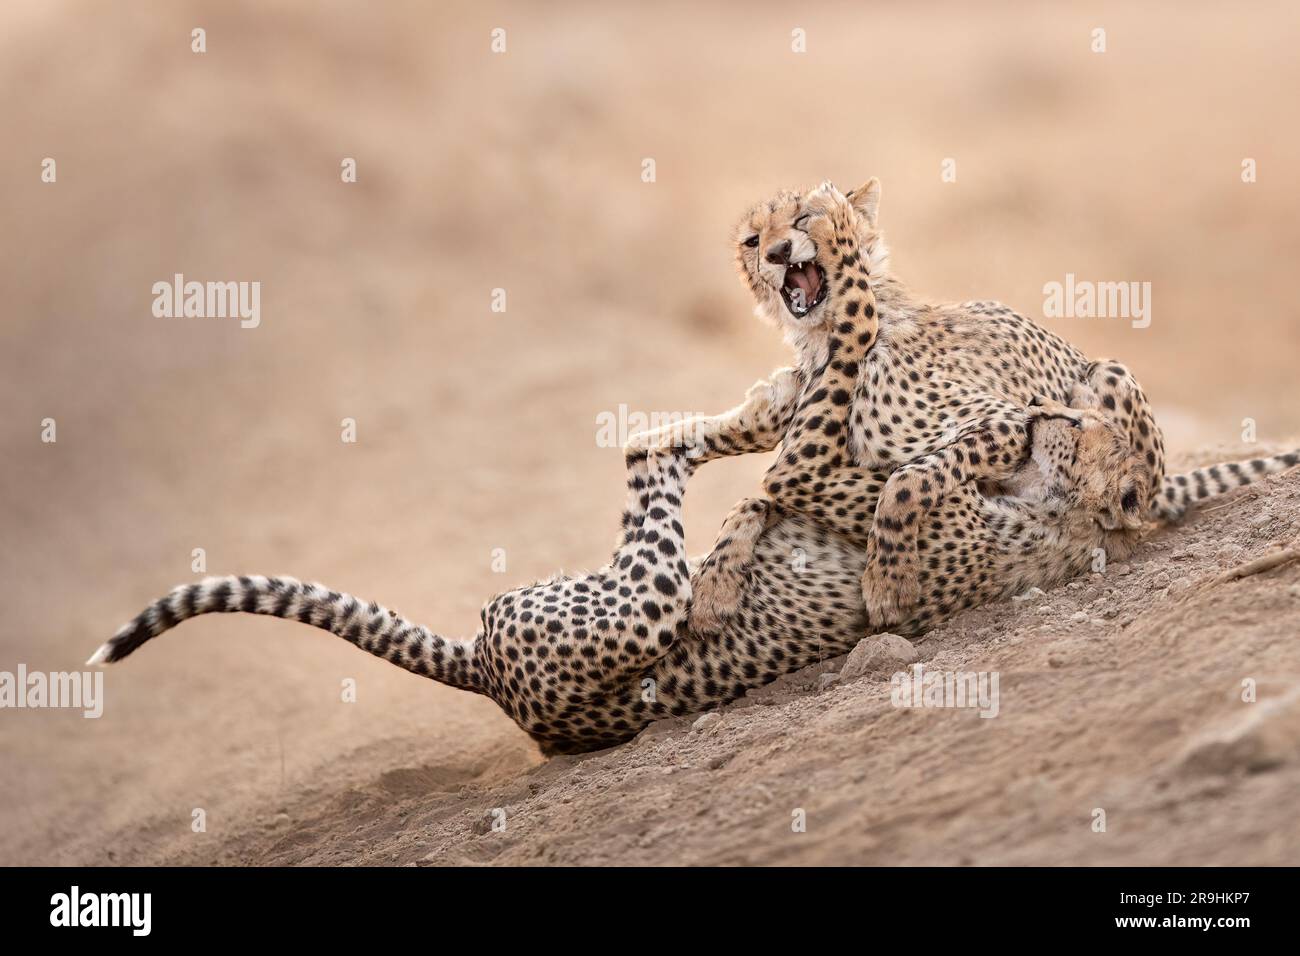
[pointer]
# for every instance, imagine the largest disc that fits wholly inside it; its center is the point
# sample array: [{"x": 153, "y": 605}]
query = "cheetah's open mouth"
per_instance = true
[{"x": 804, "y": 287}]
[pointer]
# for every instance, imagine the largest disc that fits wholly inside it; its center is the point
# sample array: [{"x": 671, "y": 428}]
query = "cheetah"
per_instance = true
[
  {"x": 938, "y": 400},
  {"x": 582, "y": 662}
]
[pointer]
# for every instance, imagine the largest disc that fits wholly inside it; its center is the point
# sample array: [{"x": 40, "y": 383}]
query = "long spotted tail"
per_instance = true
[
  {"x": 369, "y": 626},
  {"x": 1179, "y": 492}
]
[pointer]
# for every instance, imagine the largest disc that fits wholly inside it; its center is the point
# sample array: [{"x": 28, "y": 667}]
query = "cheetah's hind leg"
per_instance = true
[
  {"x": 647, "y": 586},
  {"x": 989, "y": 448}
]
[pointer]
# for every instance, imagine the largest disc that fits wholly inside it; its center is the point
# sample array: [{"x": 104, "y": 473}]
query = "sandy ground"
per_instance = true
[{"x": 477, "y": 431}]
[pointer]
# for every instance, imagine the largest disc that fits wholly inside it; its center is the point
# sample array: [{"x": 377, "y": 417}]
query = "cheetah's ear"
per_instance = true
[{"x": 866, "y": 200}]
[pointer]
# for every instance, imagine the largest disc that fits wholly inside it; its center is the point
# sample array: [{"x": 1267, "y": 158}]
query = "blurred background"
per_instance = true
[{"x": 477, "y": 430}]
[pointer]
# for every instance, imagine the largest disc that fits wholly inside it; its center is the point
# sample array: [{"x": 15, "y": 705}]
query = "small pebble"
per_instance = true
[
  {"x": 705, "y": 721},
  {"x": 1229, "y": 553}
]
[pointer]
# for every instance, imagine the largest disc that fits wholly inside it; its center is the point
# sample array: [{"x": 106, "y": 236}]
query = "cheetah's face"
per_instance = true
[
  {"x": 1080, "y": 456},
  {"x": 777, "y": 258},
  {"x": 782, "y": 262},
  {"x": 1113, "y": 483}
]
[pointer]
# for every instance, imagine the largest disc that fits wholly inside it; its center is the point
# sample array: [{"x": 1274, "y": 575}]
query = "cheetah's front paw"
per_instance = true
[
  {"x": 660, "y": 439},
  {"x": 1050, "y": 408},
  {"x": 890, "y": 593},
  {"x": 646, "y": 441}
]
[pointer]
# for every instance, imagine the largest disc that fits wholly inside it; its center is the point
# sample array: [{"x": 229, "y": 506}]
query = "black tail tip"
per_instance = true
[{"x": 121, "y": 644}]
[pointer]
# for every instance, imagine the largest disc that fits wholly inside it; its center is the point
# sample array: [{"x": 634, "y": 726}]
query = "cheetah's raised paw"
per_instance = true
[{"x": 653, "y": 440}]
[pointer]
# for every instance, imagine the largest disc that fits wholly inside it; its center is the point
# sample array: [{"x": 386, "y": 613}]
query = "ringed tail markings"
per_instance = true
[
  {"x": 1179, "y": 492},
  {"x": 369, "y": 626}
]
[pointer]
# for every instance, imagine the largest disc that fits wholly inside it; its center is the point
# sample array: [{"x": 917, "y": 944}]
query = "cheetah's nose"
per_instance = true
[{"x": 779, "y": 254}]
